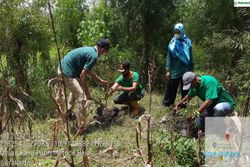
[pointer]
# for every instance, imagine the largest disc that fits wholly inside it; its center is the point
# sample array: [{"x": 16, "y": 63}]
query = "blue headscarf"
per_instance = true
[{"x": 180, "y": 48}]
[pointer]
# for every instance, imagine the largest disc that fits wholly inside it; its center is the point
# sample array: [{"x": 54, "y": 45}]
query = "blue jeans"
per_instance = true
[{"x": 219, "y": 110}]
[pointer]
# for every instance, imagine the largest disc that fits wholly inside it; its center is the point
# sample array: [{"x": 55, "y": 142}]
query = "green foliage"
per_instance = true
[
  {"x": 68, "y": 14},
  {"x": 93, "y": 27},
  {"x": 145, "y": 35},
  {"x": 24, "y": 33},
  {"x": 184, "y": 153},
  {"x": 90, "y": 31},
  {"x": 45, "y": 108},
  {"x": 25, "y": 41},
  {"x": 108, "y": 64},
  {"x": 144, "y": 27},
  {"x": 220, "y": 19}
]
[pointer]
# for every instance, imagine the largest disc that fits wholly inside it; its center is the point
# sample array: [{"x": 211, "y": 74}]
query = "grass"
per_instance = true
[{"x": 121, "y": 134}]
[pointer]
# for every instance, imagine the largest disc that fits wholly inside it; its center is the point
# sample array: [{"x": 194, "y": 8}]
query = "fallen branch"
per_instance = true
[{"x": 20, "y": 107}]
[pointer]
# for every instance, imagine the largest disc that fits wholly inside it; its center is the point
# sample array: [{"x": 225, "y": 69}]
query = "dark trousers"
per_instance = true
[
  {"x": 214, "y": 110},
  {"x": 200, "y": 120},
  {"x": 171, "y": 91},
  {"x": 127, "y": 96}
]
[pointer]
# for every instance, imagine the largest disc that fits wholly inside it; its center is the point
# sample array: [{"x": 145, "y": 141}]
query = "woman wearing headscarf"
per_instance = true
[{"x": 179, "y": 61}]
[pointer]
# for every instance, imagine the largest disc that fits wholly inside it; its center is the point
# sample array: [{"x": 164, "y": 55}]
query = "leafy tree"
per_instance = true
[
  {"x": 143, "y": 26},
  {"x": 93, "y": 27},
  {"x": 68, "y": 14},
  {"x": 24, "y": 33}
]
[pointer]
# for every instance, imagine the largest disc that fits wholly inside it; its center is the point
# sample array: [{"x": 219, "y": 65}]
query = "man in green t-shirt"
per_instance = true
[
  {"x": 217, "y": 101},
  {"x": 131, "y": 90},
  {"x": 75, "y": 67}
]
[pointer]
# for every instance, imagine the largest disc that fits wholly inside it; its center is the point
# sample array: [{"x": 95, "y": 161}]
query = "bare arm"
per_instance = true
[
  {"x": 128, "y": 89},
  {"x": 167, "y": 75},
  {"x": 205, "y": 105},
  {"x": 83, "y": 78},
  {"x": 186, "y": 98},
  {"x": 168, "y": 65},
  {"x": 114, "y": 87},
  {"x": 96, "y": 77}
]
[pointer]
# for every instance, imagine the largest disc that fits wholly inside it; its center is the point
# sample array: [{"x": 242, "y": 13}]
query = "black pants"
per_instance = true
[
  {"x": 211, "y": 111},
  {"x": 171, "y": 91},
  {"x": 126, "y": 96}
]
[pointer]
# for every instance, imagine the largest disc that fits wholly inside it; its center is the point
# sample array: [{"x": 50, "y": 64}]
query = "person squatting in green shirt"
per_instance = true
[
  {"x": 77, "y": 64},
  {"x": 179, "y": 61},
  {"x": 130, "y": 89},
  {"x": 217, "y": 102}
]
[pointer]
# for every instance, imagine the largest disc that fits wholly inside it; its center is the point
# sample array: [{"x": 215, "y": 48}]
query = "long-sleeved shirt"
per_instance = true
[{"x": 176, "y": 67}]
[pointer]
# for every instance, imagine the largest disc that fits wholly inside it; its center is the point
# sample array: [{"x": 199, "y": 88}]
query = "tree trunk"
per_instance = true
[{"x": 147, "y": 41}]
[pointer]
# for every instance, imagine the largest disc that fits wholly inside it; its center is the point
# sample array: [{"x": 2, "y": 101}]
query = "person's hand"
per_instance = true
[
  {"x": 119, "y": 88},
  {"x": 175, "y": 109},
  {"x": 168, "y": 75},
  {"x": 104, "y": 82},
  {"x": 196, "y": 114}
]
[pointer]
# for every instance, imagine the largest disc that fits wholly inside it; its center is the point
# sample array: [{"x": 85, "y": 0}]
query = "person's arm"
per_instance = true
[
  {"x": 168, "y": 65},
  {"x": 168, "y": 61},
  {"x": 128, "y": 89},
  {"x": 83, "y": 78},
  {"x": 186, "y": 98},
  {"x": 204, "y": 105},
  {"x": 114, "y": 87},
  {"x": 211, "y": 94},
  {"x": 97, "y": 78},
  {"x": 89, "y": 65}
]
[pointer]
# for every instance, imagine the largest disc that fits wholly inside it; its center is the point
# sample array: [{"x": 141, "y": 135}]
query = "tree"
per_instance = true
[
  {"x": 143, "y": 26},
  {"x": 24, "y": 33},
  {"x": 94, "y": 26},
  {"x": 68, "y": 15}
]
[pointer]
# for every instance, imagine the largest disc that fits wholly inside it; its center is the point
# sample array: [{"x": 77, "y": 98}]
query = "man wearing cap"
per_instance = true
[
  {"x": 131, "y": 90},
  {"x": 217, "y": 101},
  {"x": 77, "y": 64},
  {"x": 179, "y": 61}
]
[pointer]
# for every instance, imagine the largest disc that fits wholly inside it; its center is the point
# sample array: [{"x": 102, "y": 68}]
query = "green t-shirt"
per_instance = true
[
  {"x": 77, "y": 60},
  {"x": 211, "y": 89},
  {"x": 129, "y": 82}
]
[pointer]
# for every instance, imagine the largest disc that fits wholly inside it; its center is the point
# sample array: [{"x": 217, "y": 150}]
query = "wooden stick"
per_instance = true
[
  {"x": 199, "y": 148},
  {"x": 150, "y": 155},
  {"x": 171, "y": 142},
  {"x": 85, "y": 159}
]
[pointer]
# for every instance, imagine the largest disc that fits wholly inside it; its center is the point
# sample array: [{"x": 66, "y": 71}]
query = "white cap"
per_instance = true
[{"x": 187, "y": 78}]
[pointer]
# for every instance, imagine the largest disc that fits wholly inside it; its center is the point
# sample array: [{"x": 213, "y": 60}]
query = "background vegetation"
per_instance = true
[{"x": 139, "y": 31}]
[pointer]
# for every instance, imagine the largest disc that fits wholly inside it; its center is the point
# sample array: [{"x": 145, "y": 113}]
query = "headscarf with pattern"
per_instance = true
[{"x": 180, "y": 48}]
